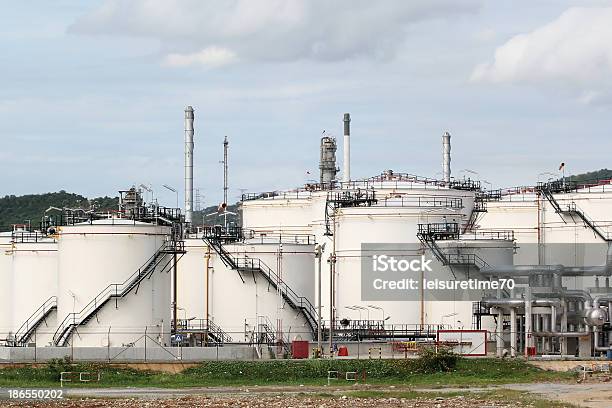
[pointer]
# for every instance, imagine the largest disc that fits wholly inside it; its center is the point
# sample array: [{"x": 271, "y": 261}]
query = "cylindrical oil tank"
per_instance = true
[
  {"x": 242, "y": 308},
  {"x": 101, "y": 258},
  {"x": 6, "y": 287},
  {"x": 390, "y": 224},
  {"x": 34, "y": 283},
  {"x": 191, "y": 278}
]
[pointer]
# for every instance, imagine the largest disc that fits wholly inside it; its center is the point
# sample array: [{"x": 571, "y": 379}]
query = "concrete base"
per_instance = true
[
  {"x": 129, "y": 354},
  {"x": 584, "y": 347}
]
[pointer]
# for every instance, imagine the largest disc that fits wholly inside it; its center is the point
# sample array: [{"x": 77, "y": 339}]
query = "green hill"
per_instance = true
[
  {"x": 31, "y": 208},
  {"x": 591, "y": 176}
]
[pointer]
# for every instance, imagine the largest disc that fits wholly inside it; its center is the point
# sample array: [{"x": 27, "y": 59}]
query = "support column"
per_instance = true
[
  {"x": 500, "y": 332},
  {"x": 513, "y": 332}
]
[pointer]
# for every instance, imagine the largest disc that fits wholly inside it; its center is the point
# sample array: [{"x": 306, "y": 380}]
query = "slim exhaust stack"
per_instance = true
[
  {"x": 346, "y": 172},
  {"x": 446, "y": 157},
  {"x": 188, "y": 164}
]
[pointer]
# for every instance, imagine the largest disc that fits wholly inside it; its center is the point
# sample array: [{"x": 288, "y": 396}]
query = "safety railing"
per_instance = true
[
  {"x": 116, "y": 290},
  {"x": 207, "y": 326},
  {"x": 505, "y": 235},
  {"x": 294, "y": 300},
  {"x": 24, "y": 332},
  {"x": 439, "y": 230},
  {"x": 420, "y": 202}
]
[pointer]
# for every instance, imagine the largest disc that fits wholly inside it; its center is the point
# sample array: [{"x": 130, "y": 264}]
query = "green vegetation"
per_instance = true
[
  {"x": 591, "y": 177},
  {"x": 411, "y": 372},
  {"x": 211, "y": 216},
  {"x": 20, "y": 210}
]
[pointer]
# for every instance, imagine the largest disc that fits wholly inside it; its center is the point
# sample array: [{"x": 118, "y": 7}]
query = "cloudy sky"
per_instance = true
[{"x": 92, "y": 92}]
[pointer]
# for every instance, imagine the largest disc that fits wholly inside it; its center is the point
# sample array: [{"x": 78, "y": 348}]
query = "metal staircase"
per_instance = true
[
  {"x": 246, "y": 264},
  {"x": 116, "y": 291},
  {"x": 23, "y": 334},
  {"x": 428, "y": 234},
  {"x": 213, "y": 333},
  {"x": 216, "y": 334},
  {"x": 571, "y": 210},
  {"x": 348, "y": 198},
  {"x": 480, "y": 206}
]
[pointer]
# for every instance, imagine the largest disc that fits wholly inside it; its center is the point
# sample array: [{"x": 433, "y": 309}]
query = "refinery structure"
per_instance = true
[{"x": 143, "y": 275}]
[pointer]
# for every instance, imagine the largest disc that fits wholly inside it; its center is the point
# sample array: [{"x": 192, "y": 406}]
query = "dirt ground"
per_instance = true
[{"x": 269, "y": 402}]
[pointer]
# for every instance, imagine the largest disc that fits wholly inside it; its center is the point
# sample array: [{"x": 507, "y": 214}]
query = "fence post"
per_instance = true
[{"x": 145, "y": 343}]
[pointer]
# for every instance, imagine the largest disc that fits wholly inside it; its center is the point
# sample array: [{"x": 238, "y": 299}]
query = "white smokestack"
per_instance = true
[
  {"x": 189, "y": 164},
  {"x": 346, "y": 172},
  {"x": 446, "y": 157}
]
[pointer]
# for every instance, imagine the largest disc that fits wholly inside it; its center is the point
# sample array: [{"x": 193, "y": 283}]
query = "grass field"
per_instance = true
[{"x": 463, "y": 373}]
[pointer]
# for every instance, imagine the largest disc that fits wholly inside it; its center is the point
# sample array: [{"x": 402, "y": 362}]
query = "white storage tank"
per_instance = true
[
  {"x": 240, "y": 308},
  {"x": 102, "y": 258},
  {"x": 6, "y": 286},
  {"x": 191, "y": 277},
  {"x": 392, "y": 220},
  {"x": 34, "y": 286}
]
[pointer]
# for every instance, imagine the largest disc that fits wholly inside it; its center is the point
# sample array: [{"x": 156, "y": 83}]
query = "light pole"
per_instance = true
[
  {"x": 366, "y": 309},
  {"x": 381, "y": 309},
  {"x": 149, "y": 189},
  {"x": 319, "y": 255},
  {"x": 470, "y": 171},
  {"x": 547, "y": 173},
  {"x": 167, "y": 187},
  {"x": 354, "y": 308}
]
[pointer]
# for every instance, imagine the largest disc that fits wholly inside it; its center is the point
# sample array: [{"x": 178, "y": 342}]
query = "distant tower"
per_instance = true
[
  {"x": 446, "y": 157},
  {"x": 327, "y": 164},
  {"x": 189, "y": 164},
  {"x": 346, "y": 172}
]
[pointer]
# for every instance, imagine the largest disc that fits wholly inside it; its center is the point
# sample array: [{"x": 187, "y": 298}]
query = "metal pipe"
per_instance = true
[
  {"x": 560, "y": 334},
  {"x": 346, "y": 172},
  {"x": 528, "y": 324},
  {"x": 500, "y": 333},
  {"x": 189, "y": 164},
  {"x": 596, "y": 345},
  {"x": 446, "y": 157},
  {"x": 525, "y": 270}
]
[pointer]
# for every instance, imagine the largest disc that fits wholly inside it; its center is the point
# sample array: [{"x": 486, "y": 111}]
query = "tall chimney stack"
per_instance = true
[
  {"x": 446, "y": 157},
  {"x": 189, "y": 164},
  {"x": 346, "y": 172}
]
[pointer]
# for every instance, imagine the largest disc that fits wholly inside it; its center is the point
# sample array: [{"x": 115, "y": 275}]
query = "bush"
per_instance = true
[
  {"x": 56, "y": 366},
  {"x": 435, "y": 361}
]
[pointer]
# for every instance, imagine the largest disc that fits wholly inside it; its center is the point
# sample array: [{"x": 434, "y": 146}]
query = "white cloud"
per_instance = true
[
  {"x": 211, "y": 57},
  {"x": 270, "y": 30},
  {"x": 572, "y": 53}
]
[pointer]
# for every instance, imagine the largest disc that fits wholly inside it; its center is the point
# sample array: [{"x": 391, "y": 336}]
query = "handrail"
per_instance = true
[
  {"x": 105, "y": 294},
  {"x": 507, "y": 235},
  {"x": 421, "y": 202},
  {"x": 247, "y": 263},
  {"x": 36, "y": 318},
  {"x": 299, "y": 301}
]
